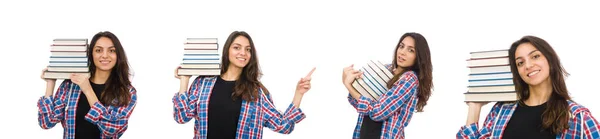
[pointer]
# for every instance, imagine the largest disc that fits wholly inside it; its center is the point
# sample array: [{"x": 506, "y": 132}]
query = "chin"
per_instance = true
[
  {"x": 240, "y": 65},
  {"x": 104, "y": 69}
]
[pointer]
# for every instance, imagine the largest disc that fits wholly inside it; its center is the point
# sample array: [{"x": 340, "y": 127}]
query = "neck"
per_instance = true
[
  {"x": 232, "y": 73},
  {"x": 398, "y": 70},
  {"x": 100, "y": 76},
  {"x": 539, "y": 94}
]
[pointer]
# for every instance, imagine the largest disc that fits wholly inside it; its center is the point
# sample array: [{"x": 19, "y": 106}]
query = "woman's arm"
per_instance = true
[
  {"x": 51, "y": 109},
  {"x": 393, "y": 100},
  {"x": 587, "y": 125},
  {"x": 184, "y": 102},
  {"x": 471, "y": 129},
  {"x": 112, "y": 120},
  {"x": 273, "y": 119}
]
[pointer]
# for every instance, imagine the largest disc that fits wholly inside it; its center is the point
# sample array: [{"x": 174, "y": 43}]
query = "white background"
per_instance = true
[{"x": 290, "y": 38}]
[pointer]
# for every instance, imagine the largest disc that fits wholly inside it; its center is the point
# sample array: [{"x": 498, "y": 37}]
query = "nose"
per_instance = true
[
  {"x": 528, "y": 64},
  {"x": 243, "y": 52},
  {"x": 402, "y": 52},
  {"x": 104, "y": 54}
]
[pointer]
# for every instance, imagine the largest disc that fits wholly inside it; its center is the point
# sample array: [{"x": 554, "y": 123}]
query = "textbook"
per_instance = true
[
  {"x": 200, "y": 57},
  {"x": 67, "y": 56},
  {"x": 490, "y": 77},
  {"x": 374, "y": 80}
]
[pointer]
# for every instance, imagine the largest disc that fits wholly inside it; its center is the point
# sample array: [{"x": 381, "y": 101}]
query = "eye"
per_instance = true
[
  {"x": 113, "y": 50},
  {"x": 411, "y": 50},
  {"x": 401, "y": 45},
  {"x": 536, "y": 56},
  {"x": 519, "y": 63},
  {"x": 236, "y": 47},
  {"x": 98, "y": 50}
]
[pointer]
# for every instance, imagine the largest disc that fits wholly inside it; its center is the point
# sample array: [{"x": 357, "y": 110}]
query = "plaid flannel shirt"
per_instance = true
[
  {"x": 253, "y": 115},
  {"x": 582, "y": 125},
  {"x": 395, "y": 108},
  {"x": 111, "y": 120}
]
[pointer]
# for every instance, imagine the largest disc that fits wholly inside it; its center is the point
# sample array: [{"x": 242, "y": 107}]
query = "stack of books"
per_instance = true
[
  {"x": 374, "y": 80},
  {"x": 67, "y": 56},
  {"x": 490, "y": 77},
  {"x": 200, "y": 57}
]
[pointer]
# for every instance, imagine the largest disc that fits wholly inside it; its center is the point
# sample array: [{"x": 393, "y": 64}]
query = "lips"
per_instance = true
[
  {"x": 104, "y": 61},
  {"x": 400, "y": 59},
  {"x": 239, "y": 58},
  {"x": 533, "y": 73}
]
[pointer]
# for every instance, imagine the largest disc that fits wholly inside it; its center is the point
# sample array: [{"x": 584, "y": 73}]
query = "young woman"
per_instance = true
[
  {"x": 97, "y": 106},
  {"x": 235, "y": 104},
  {"x": 409, "y": 91},
  {"x": 544, "y": 108}
]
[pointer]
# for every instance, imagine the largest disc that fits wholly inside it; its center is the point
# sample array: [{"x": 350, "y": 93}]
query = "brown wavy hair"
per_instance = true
[
  {"x": 248, "y": 83},
  {"x": 116, "y": 92},
  {"x": 422, "y": 67},
  {"x": 556, "y": 115}
]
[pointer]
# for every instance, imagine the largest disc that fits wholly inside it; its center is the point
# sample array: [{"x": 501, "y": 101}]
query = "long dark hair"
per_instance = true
[
  {"x": 248, "y": 83},
  {"x": 116, "y": 92},
  {"x": 556, "y": 115},
  {"x": 422, "y": 68}
]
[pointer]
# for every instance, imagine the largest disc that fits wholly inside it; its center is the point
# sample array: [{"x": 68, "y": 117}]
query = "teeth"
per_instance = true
[
  {"x": 241, "y": 58},
  {"x": 533, "y": 73}
]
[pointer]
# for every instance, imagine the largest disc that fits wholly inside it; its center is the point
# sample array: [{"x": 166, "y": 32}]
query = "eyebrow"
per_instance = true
[
  {"x": 103, "y": 46},
  {"x": 527, "y": 54}
]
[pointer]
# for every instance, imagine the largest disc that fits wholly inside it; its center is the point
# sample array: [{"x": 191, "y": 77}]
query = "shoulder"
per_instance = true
[
  {"x": 389, "y": 67},
  {"x": 200, "y": 79},
  {"x": 503, "y": 105},
  {"x": 132, "y": 89},
  {"x": 66, "y": 82},
  {"x": 575, "y": 108},
  {"x": 410, "y": 75}
]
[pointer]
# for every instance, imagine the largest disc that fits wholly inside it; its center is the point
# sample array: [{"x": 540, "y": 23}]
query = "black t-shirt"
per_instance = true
[
  {"x": 526, "y": 123},
  {"x": 83, "y": 128},
  {"x": 223, "y": 111},
  {"x": 370, "y": 129}
]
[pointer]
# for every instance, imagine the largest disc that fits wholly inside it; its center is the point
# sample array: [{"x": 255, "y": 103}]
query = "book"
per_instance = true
[
  {"x": 374, "y": 80},
  {"x": 67, "y": 56},
  {"x": 483, "y": 62},
  {"x": 489, "y": 53},
  {"x": 490, "y": 96},
  {"x": 200, "y": 57},
  {"x": 202, "y": 40},
  {"x": 491, "y": 69},
  {"x": 490, "y": 77}
]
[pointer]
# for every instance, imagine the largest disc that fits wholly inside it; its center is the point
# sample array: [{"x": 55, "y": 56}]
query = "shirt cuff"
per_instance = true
[
  {"x": 470, "y": 129},
  {"x": 95, "y": 112},
  {"x": 295, "y": 114},
  {"x": 364, "y": 104},
  {"x": 45, "y": 104},
  {"x": 180, "y": 100}
]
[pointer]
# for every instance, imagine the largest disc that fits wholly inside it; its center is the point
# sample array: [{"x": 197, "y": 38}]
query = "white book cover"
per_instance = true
[
  {"x": 68, "y": 54},
  {"x": 487, "y": 62},
  {"x": 503, "y": 75},
  {"x": 200, "y": 52},
  {"x": 202, "y": 40},
  {"x": 491, "y": 82},
  {"x": 492, "y": 69}
]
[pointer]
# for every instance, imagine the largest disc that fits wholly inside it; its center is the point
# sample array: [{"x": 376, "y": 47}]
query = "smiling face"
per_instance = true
[
  {"x": 239, "y": 52},
  {"x": 406, "y": 53},
  {"x": 104, "y": 54},
  {"x": 532, "y": 65}
]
